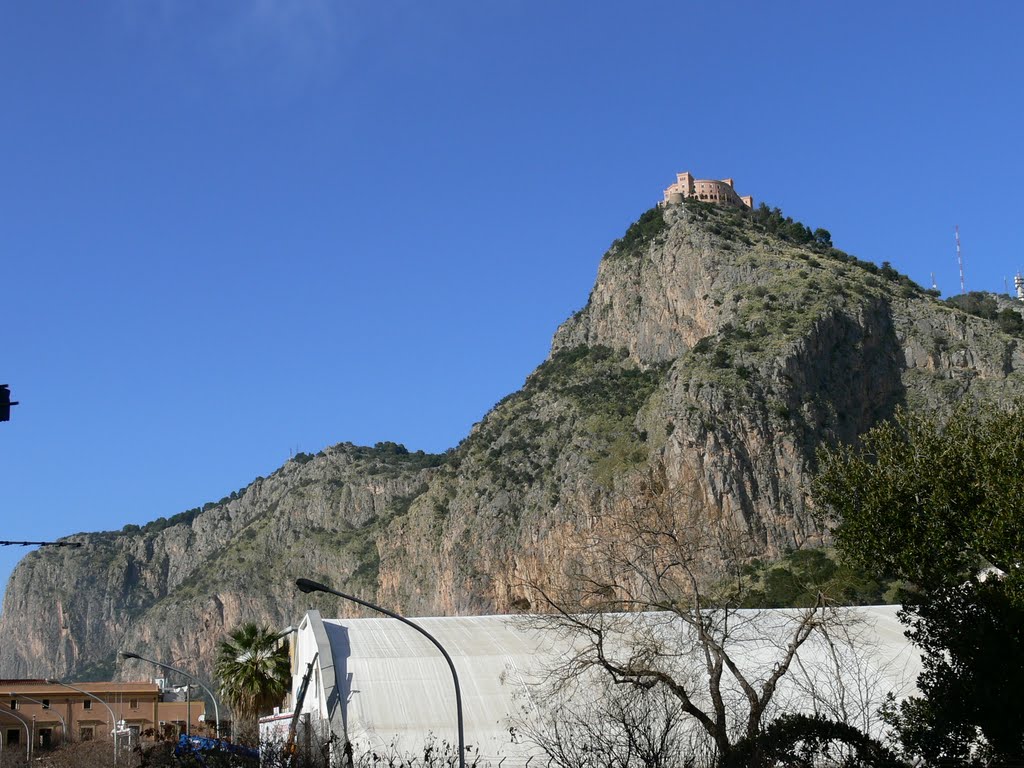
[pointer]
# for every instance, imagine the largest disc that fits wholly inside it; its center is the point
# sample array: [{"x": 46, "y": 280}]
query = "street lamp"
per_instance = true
[
  {"x": 305, "y": 585},
  {"x": 28, "y": 733},
  {"x": 60, "y": 717},
  {"x": 216, "y": 709},
  {"x": 113, "y": 717}
]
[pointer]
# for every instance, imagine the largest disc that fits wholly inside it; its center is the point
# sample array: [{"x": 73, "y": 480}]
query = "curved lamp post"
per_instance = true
[
  {"x": 216, "y": 709},
  {"x": 113, "y": 717},
  {"x": 28, "y": 732},
  {"x": 60, "y": 717},
  {"x": 305, "y": 585}
]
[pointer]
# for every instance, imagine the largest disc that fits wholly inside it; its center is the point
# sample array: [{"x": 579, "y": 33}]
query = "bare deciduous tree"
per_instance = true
[
  {"x": 612, "y": 727},
  {"x": 649, "y": 601}
]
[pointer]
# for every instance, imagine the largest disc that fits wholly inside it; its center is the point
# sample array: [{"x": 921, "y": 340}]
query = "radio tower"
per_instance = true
[{"x": 960, "y": 260}]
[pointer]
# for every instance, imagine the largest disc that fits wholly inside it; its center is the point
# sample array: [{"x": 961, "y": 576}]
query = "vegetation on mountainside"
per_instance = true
[
  {"x": 600, "y": 386},
  {"x": 795, "y": 279},
  {"x": 740, "y": 223},
  {"x": 647, "y": 228},
  {"x": 984, "y": 305},
  {"x": 385, "y": 457},
  {"x": 743, "y": 224},
  {"x": 104, "y": 669},
  {"x": 799, "y": 578},
  {"x": 347, "y": 551}
]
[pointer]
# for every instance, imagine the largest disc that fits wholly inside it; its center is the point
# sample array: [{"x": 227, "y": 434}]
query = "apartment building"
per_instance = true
[{"x": 49, "y": 714}]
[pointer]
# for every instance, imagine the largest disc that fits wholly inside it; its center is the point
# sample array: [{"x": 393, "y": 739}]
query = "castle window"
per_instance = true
[{"x": 87, "y": 704}]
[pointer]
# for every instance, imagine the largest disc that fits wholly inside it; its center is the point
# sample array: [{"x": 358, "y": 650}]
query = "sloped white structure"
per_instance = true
[{"x": 380, "y": 685}]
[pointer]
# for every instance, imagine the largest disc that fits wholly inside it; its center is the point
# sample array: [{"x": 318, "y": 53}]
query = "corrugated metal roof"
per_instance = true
[{"x": 395, "y": 688}]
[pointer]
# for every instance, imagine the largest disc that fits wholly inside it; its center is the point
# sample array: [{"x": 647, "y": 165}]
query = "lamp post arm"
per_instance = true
[
  {"x": 113, "y": 717},
  {"x": 63, "y": 723},
  {"x": 306, "y": 585},
  {"x": 196, "y": 680},
  {"x": 28, "y": 732}
]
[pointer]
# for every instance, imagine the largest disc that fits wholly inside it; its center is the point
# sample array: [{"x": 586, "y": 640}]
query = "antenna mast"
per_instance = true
[{"x": 960, "y": 260}]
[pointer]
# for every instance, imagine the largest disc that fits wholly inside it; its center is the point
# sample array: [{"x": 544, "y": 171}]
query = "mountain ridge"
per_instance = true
[{"x": 712, "y": 346}]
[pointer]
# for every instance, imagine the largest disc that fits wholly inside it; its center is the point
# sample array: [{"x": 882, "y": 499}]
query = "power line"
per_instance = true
[{"x": 73, "y": 545}]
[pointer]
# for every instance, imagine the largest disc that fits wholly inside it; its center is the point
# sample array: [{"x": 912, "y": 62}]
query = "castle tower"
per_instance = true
[{"x": 715, "y": 191}]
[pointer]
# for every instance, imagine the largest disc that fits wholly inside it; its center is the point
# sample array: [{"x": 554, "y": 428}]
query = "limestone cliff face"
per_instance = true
[
  {"x": 176, "y": 586},
  {"x": 710, "y": 350},
  {"x": 735, "y": 356}
]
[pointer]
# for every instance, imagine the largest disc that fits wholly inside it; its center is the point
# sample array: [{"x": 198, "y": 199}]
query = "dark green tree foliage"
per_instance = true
[
  {"x": 772, "y": 221},
  {"x": 822, "y": 238},
  {"x": 984, "y": 305},
  {"x": 650, "y": 224},
  {"x": 1010, "y": 322},
  {"x": 976, "y": 303},
  {"x": 972, "y": 639},
  {"x": 933, "y": 504},
  {"x": 928, "y": 503},
  {"x": 806, "y": 740},
  {"x": 797, "y": 580}
]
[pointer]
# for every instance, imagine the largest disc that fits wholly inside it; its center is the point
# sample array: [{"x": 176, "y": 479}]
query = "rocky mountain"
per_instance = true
[{"x": 718, "y": 345}]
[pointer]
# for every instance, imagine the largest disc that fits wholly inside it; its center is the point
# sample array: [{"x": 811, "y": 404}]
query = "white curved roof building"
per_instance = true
[{"x": 381, "y": 686}]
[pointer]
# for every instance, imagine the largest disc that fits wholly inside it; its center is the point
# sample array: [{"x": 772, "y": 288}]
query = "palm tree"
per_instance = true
[{"x": 254, "y": 670}]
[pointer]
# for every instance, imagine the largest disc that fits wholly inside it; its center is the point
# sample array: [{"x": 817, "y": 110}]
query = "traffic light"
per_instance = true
[{"x": 5, "y": 402}]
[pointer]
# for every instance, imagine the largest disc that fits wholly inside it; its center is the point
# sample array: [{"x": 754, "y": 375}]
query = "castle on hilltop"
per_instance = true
[{"x": 709, "y": 190}]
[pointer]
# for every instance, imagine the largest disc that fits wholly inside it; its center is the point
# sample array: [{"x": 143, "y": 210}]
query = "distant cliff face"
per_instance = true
[
  {"x": 176, "y": 587},
  {"x": 710, "y": 349}
]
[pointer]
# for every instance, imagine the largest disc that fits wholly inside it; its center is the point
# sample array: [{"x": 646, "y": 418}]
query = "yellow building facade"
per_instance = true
[{"x": 50, "y": 714}]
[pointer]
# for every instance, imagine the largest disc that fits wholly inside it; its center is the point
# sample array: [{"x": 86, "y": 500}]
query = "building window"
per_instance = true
[
  {"x": 85, "y": 733},
  {"x": 46, "y": 703},
  {"x": 133, "y": 703},
  {"x": 87, "y": 704},
  {"x": 13, "y": 737},
  {"x": 14, "y": 703}
]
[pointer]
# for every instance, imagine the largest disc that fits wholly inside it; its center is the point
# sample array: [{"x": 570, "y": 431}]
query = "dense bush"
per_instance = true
[
  {"x": 650, "y": 224},
  {"x": 797, "y": 579},
  {"x": 984, "y": 305},
  {"x": 1010, "y": 322},
  {"x": 977, "y": 303}
]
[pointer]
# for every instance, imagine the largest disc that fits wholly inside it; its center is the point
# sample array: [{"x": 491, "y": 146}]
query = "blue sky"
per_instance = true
[{"x": 234, "y": 230}]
